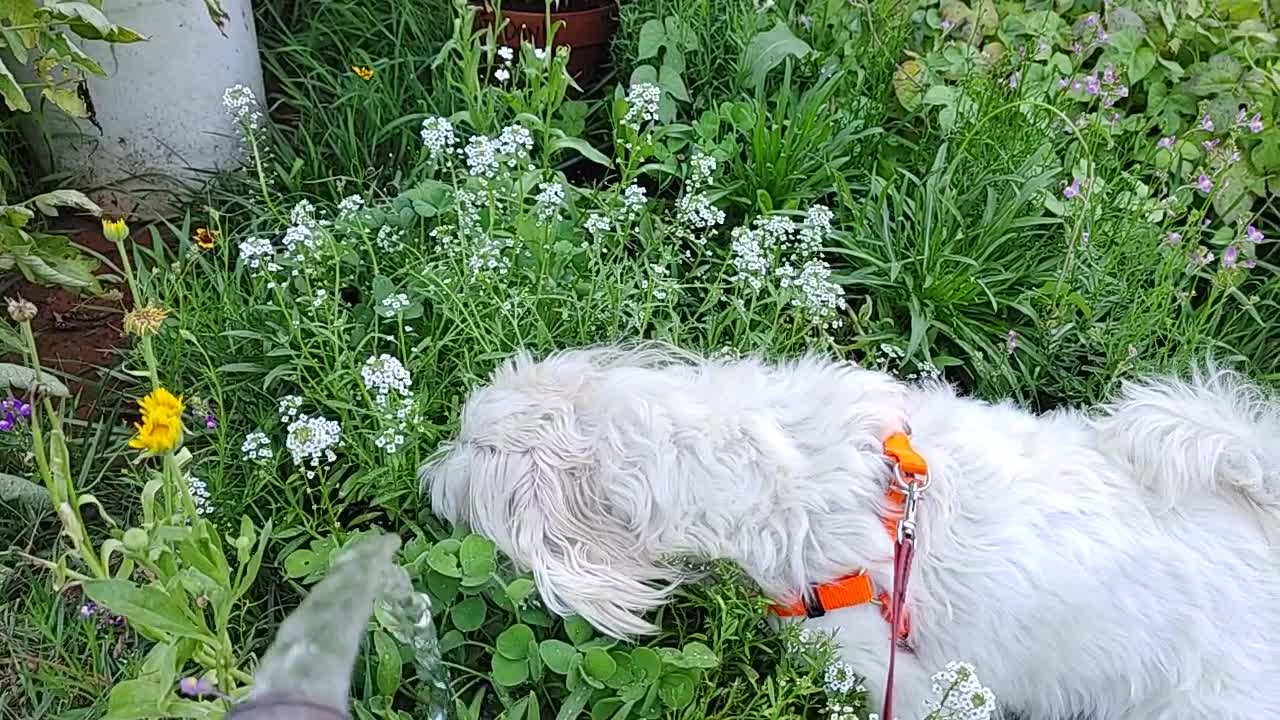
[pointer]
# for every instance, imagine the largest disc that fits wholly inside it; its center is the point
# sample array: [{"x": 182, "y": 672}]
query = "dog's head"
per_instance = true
[{"x": 522, "y": 472}]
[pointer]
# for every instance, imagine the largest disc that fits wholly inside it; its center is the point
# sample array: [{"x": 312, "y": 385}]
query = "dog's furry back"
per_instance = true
[{"x": 1114, "y": 563}]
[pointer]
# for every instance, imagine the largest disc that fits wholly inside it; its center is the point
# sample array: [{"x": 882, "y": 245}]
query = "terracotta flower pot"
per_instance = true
[{"x": 587, "y": 33}]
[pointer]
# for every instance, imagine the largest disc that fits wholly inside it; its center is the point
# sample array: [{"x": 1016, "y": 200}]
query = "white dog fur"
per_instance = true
[{"x": 1105, "y": 565}]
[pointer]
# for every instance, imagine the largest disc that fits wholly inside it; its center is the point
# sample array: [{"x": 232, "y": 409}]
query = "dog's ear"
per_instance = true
[{"x": 542, "y": 507}]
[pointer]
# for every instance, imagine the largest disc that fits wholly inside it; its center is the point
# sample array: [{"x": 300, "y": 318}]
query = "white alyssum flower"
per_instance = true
[
  {"x": 258, "y": 254},
  {"x": 289, "y": 407},
  {"x": 318, "y": 297},
  {"x": 438, "y": 136},
  {"x": 349, "y": 205},
  {"x": 598, "y": 224},
  {"x": 816, "y": 294},
  {"x": 506, "y": 53},
  {"x": 256, "y": 447},
  {"x": 384, "y": 375},
  {"x": 548, "y": 200},
  {"x": 643, "y": 100},
  {"x": 200, "y": 495},
  {"x": 515, "y": 142},
  {"x": 388, "y": 238},
  {"x": 311, "y": 441},
  {"x": 634, "y": 198},
  {"x": 696, "y": 215},
  {"x": 840, "y": 679},
  {"x": 702, "y": 169},
  {"x": 242, "y": 106},
  {"x": 502, "y": 74},
  {"x": 959, "y": 695},
  {"x": 395, "y": 302},
  {"x": 481, "y": 157}
]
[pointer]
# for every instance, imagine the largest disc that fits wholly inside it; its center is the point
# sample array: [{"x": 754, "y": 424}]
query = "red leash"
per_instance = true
[{"x": 911, "y": 481}]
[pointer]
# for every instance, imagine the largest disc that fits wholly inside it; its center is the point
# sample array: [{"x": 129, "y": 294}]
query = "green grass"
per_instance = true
[{"x": 945, "y": 241}]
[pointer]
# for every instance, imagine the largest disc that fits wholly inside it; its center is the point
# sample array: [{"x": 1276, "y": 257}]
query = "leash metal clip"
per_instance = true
[{"x": 913, "y": 490}]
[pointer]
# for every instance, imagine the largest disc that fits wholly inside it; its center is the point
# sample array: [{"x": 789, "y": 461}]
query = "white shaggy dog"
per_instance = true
[{"x": 1106, "y": 565}]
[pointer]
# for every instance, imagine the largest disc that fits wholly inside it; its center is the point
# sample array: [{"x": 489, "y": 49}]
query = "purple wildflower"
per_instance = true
[
  {"x": 1230, "y": 255},
  {"x": 1204, "y": 184},
  {"x": 1209, "y": 145},
  {"x": 1173, "y": 238},
  {"x": 1255, "y": 125},
  {"x": 1071, "y": 190},
  {"x": 1091, "y": 85},
  {"x": 1013, "y": 80},
  {"x": 1090, "y": 20},
  {"x": 947, "y": 25},
  {"x": 88, "y": 610},
  {"x": 1064, "y": 82},
  {"x": 1201, "y": 257},
  {"x": 210, "y": 422},
  {"x": 1241, "y": 115},
  {"x": 1011, "y": 342},
  {"x": 1254, "y": 235},
  {"x": 1103, "y": 37},
  {"x": 195, "y": 687},
  {"x": 1167, "y": 142},
  {"x": 1077, "y": 48},
  {"x": 1108, "y": 74},
  {"x": 1206, "y": 122}
]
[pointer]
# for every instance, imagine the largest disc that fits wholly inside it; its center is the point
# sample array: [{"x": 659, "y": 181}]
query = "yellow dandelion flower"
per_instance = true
[
  {"x": 161, "y": 402},
  {"x": 145, "y": 320},
  {"x": 114, "y": 229},
  {"x": 206, "y": 238},
  {"x": 364, "y": 72},
  {"x": 161, "y": 426}
]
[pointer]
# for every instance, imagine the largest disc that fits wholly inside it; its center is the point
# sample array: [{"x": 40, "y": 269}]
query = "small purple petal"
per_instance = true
[
  {"x": 1229, "y": 256},
  {"x": 88, "y": 610},
  {"x": 1167, "y": 142},
  {"x": 1173, "y": 238},
  {"x": 1209, "y": 145},
  {"x": 1206, "y": 122},
  {"x": 1071, "y": 190},
  {"x": 1254, "y": 235},
  {"x": 1204, "y": 184},
  {"x": 6, "y": 425},
  {"x": 1255, "y": 125},
  {"x": 210, "y": 422}
]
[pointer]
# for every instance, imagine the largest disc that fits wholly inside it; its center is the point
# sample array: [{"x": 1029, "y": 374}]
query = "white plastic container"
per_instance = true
[{"x": 160, "y": 110}]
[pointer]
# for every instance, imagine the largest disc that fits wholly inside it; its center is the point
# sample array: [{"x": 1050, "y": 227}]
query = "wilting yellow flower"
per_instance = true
[
  {"x": 206, "y": 238},
  {"x": 145, "y": 320},
  {"x": 115, "y": 229},
  {"x": 161, "y": 426},
  {"x": 364, "y": 72}
]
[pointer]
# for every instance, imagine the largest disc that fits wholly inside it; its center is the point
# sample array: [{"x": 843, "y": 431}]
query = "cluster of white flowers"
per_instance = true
[
  {"x": 259, "y": 255},
  {"x": 438, "y": 136},
  {"x": 389, "y": 381},
  {"x": 925, "y": 370},
  {"x": 703, "y": 169},
  {"x": 349, "y": 205},
  {"x": 481, "y": 157},
  {"x": 840, "y": 679},
  {"x": 790, "y": 249},
  {"x": 257, "y": 447},
  {"x": 659, "y": 282},
  {"x": 200, "y": 495},
  {"x": 395, "y": 302},
  {"x": 548, "y": 201},
  {"x": 696, "y": 216},
  {"x": 484, "y": 156},
  {"x": 242, "y": 106},
  {"x": 388, "y": 238},
  {"x": 503, "y": 73},
  {"x": 960, "y": 696},
  {"x": 302, "y": 239},
  {"x": 815, "y": 293},
  {"x": 844, "y": 711},
  {"x": 634, "y": 198},
  {"x": 643, "y": 100},
  {"x": 384, "y": 375},
  {"x": 311, "y": 441},
  {"x": 289, "y": 407},
  {"x": 598, "y": 224},
  {"x": 318, "y": 297}
]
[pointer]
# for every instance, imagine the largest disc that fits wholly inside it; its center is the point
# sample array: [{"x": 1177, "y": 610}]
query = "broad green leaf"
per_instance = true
[
  {"x": 670, "y": 81},
  {"x": 67, "y": 100},
  {"x": 558, "y": 655},
  {"x": 443, "y": 559},
  {"x": 14, "y": 98},
  {"x": 508, "y": 672},
  {"x": 21, "y": 491},
  {"x": 389, "y": 666},
  {"x": 61, "y": 44},
  {"x": 302, "y": 563},
  {"x": 478, "y": 558},
  {"x": 469, "y": 614},
  {"x": 19, "y": 376},
  {"x": 598, "y": 664},
  {"x": 519, "y": 590},
  {"x": 1143, "y": 61},
  {"x": 143, "y": 605},
  {"x": 769, "y": 49},
  {"x": 697, "y": 655},
  {"x": 583, "y": 148},
  {"x": 652, "y": 37},
  {"x": 574, "y": 704},
  {"x": 48, "y": 203},
  {"x": 646, "y": 663},
  {"x": 140, "y": 699},
  {"x": 578, "y": 630},
  {"x": 513, "y": 643},
  {"x": 88, "y": 22},
  {"x": 676, "y": 690}
]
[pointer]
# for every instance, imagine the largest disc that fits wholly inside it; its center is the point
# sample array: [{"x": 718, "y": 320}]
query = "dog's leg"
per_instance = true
[{"x": 862, "y": 640}]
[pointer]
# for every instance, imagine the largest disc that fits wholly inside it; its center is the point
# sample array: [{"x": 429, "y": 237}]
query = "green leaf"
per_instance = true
[
  {"x": 670, "y": 81},
  {"x": 509, "y": 673},
  {"x": 469, "y": 614},
  {"x": 1143, "y": 62},
  {"x": 697, "y": 655},
  {"x": 140, "y": 699},
  {"x": 443, "y": 559},
  {"x": 61, "y": 44},
  {"x": 302, "y": 563},
  {"x": 606, "y": 708},
  {"x": 646, "y": 663},
  {"x": 24, "y": 378},
  {"x": 14, "y": 98},
  {"x": 578, "y": 630},
  {"x": 676, "y": 690},
  {"x": 389, "y": 664},
  {"x": 558, "y": 655},
  {"x": 478, "y": 558},
  {"x": 769, "y": 49},
  {"x": 582, "y": 147},
  {"x": 88, "y": 22},
  {"x": 382, "y": 288},
  {"x": 513, "y": 643},
  {"x": 909, "y": 84},
  {"x": 143, "y": 605},
  {"x": 23, "y": 492},
  {"x": 598, "y": 664},
  {"x": 67, "y": 100},
  {"x": 574, "y": 704},
  {"x": 652, "y": 37},
  {"x": 519, "y": 590}
]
